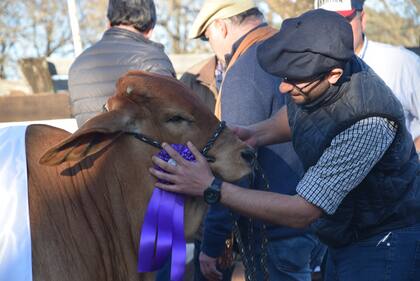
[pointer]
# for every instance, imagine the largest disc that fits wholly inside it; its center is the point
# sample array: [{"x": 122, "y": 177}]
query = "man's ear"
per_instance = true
[
  {"x": 148, "y": 33},
  {"x": 334, "y": 75},
  {"x": 222, "y": 27}
]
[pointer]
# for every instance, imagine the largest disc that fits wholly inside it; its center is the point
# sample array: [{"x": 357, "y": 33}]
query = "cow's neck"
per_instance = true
[
  {"x": 85, "y": 218},
  {"x": 93, "y": 210}
]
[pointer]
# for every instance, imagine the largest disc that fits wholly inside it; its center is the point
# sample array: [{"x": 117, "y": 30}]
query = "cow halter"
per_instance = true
[{"x": 204, "y": 151}]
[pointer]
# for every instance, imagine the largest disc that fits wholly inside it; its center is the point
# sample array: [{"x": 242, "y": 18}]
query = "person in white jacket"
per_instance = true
[{"x": 397, "y": 66}]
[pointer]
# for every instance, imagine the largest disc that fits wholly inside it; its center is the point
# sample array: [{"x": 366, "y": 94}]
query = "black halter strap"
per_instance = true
[
  {"x": 212, "y": 140},
  {"x": 146, "y": 139},
  {"x": 204, "y": 151}
]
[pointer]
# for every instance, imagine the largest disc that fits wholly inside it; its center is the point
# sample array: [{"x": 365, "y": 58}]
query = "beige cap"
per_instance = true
[{"x": 218, "y": 9}]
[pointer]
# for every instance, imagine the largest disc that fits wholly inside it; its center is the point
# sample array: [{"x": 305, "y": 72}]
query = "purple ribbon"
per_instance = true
[{"x": 163, "y": 227}]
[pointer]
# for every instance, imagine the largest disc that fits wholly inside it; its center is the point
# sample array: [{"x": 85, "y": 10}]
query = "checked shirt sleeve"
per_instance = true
[{"x": 344, "y": 164}]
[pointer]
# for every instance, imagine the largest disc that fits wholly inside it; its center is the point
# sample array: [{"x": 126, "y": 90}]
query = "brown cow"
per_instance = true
[{"x": 88, "y": 196}]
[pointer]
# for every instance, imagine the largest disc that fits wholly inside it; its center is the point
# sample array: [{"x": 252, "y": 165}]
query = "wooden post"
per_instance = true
[
  {"x": 74, "y": 25},
  {"x": 36, "y": 73}
]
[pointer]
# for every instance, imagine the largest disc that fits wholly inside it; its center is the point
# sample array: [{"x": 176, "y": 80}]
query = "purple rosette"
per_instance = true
[{"x": 163, "y": 227}]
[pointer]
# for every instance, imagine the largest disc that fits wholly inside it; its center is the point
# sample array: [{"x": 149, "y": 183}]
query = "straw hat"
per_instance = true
[{"x": 217, "y": 9}]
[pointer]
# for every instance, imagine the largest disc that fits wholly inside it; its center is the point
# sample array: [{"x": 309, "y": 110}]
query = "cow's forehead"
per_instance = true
[
  {"x": 144, "y": 88},
  {"x": 148, "y": 84}
]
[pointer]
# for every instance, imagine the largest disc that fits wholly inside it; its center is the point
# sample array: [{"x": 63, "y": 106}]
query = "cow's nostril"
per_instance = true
[
  {"x": 249, "y": 156},
  {"x": 210, "y": 159}
]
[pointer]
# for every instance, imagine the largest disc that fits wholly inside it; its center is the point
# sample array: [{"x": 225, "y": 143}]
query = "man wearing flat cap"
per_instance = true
[
  {"x": 234, "y": 29},
  {"x": 397, "y": 66},
  {"x": 361, "y": 188}
]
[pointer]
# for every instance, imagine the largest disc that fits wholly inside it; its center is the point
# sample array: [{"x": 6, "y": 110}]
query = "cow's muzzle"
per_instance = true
[{"x": 249, "y": 156}]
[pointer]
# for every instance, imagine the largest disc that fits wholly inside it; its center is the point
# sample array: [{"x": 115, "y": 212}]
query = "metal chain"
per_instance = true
[
  {"x": 264, "y": 239},
  {"x": 248, "y": 257},
  {"x": 249, "y": 270},
  {"x": 251, "y": 250}
]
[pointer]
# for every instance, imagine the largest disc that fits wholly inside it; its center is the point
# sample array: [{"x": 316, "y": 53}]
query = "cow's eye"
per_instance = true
[{"x": 177, "y": 119}]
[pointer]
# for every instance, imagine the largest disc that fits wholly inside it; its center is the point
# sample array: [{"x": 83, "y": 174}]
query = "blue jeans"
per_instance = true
[
  {"x": 294, "y": 258},
  {"x": 393, "y": 257}
]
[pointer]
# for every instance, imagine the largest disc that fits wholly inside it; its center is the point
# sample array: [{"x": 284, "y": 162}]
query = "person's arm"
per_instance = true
[
  {"x": 292, "y": 211},
  {"x": 414, "y": 106},
  {"x": 208, "y": 267},
  {"x": 194, "y": 177},
  {"x": 271, "y": 131},
  {"x": 409, "y": 93},
  {"x": 247, "y": 105},
  {"x": 342, "y": 166},
  {"x": 217, "y": 228},
  {"x": 218, "y": 225}
]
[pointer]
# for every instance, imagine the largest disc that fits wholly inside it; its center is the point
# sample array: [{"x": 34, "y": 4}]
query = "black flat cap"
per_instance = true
[{"x": 307, "y": 46}]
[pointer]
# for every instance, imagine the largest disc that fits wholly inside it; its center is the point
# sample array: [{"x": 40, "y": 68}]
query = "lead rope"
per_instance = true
[
  {"x": 248, "y": 257},
  {"x": 249, "y": 274},
  {"x": 264, "y": 238}
]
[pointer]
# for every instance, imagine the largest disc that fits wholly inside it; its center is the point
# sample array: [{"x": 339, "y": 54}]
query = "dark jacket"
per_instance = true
[
  {"x": 389, "y": 196},
  {"x": 93, "y": 75},
  {"x": 251, "y": 95}
]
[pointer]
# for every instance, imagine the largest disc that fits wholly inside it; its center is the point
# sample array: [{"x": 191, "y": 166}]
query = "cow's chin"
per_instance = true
[
  {"x": 196, "y": 208},
  {"x": 245, "y": 181},
  {"x": 232, "y": 173}
]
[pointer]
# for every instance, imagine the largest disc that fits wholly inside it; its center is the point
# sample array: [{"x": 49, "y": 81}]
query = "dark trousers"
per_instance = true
[{"x": 393, "y": 255}]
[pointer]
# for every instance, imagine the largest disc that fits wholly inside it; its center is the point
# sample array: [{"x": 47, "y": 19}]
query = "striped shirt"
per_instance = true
[{"x": 345, "y": 163}]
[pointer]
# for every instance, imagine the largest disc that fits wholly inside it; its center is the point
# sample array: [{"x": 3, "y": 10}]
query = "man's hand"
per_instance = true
[
  {"x": 186, "y": 177},
  {"x": 246, "y": 134},
  {"x": 267, "y": 132},
  {"x": 208, "y": 267}
]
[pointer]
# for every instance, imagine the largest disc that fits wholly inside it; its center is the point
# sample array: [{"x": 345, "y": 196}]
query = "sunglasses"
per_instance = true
[
  {"x": 203, "y": 38},
  {"x": 312, "y": 83}
]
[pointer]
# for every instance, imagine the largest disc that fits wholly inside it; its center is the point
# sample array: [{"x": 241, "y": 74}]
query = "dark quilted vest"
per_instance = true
[{"x": 389, "y": 196}]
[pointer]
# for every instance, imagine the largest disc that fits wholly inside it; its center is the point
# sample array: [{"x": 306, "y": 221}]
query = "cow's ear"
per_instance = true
[{"x": 95, "y": 135}]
